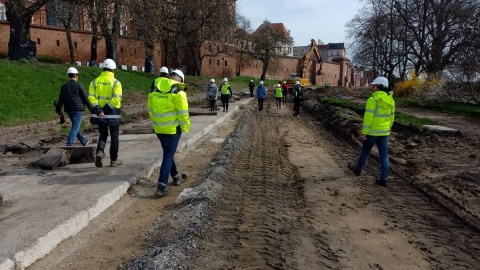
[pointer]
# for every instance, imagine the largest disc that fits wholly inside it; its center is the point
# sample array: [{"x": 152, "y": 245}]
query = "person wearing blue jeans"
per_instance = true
[
  {"x": 73, "y": 99},
  {"x": 167, "y": 107},
  {"x": 169, "y": 146},
  {"x": 377, "y": 123},
  {"x": 75, "y": 132}
]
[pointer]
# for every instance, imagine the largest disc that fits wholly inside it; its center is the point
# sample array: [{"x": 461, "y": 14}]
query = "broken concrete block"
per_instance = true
[{"x": 53, "y": 158}]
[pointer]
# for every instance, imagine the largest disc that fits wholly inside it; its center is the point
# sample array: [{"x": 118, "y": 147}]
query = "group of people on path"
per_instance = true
[{"x": 167, "y": 107}]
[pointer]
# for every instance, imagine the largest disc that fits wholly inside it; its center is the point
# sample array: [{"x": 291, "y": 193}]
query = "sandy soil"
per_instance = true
[{"x": 272, "y": 192}]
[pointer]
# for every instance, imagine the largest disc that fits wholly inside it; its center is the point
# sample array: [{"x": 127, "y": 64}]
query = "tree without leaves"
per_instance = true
[
  {"x": 243, "y": 40},
  {"x": 266, "y": 40}
]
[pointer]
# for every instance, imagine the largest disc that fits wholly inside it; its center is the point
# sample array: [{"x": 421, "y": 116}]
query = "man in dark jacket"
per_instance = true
[
  {"x": 251, "y": 86},
  {"x": 73, "y": 99},
  {"x": 297, "y": 98}
]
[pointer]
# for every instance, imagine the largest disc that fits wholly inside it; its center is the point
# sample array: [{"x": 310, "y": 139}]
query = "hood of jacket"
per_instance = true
[{"x": 381, "y": 95}]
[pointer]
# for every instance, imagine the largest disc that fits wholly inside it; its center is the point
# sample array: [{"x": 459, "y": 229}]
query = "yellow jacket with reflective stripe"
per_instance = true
[
  {"x": 225, "y": 89},
  {"x": 168, "y": 107},
  {"x": 278, "y": 92},
  {"x": 105, "y": 90},
  {"x": 379, "y": 114}
]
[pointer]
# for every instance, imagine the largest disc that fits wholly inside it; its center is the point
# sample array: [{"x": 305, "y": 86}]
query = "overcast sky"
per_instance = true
[{"x": 306, "y": 19}]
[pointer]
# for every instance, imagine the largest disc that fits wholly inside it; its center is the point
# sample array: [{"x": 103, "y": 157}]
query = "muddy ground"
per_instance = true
[{"x": 271, "y": 191}]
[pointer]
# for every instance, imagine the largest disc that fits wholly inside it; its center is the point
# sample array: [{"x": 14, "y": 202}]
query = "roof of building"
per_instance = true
[
  {"x": 336, "y": 46},
  {"x": 278, "y": 27}
]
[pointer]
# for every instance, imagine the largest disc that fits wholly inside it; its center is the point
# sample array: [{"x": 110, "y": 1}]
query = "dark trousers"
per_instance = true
[
  {"x": 284, "y": 97},
  {"x": 102, "y": 140},
  {"x": 225, "y": 99},
  {"x": 260, "y": 104},
  {"x": 213, "y": 104},
  {"x": 296, "y": 106},
  {"x": 251, "y": 92}
]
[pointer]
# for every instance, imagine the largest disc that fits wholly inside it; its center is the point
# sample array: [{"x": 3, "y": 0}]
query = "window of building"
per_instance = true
[
  {"x": 210, "y": 61},
  {"x": 75, "y": 44},
  {"x": 338, "y": 52},
  {"x": 58, "y": 43},
  {"x": 218, "y": 62},
  {"x": 225, "y": 62},
  {"x": 58, "y": 10},
  {"x": 3, "y": 16},
  {"x": 38, "y": 41}
]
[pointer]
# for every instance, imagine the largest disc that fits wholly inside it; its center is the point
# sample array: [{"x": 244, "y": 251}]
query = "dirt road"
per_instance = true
[{"x": 274, "y": 195}]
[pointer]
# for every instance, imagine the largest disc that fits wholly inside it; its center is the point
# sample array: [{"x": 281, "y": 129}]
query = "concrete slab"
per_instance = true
[
  {"x": 440, "y": 128},
  {"x": 42, "y": 208}
]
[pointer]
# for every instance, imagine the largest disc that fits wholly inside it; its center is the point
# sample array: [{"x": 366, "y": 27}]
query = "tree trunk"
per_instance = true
[
  {"x": 70, "y": 45},
  {"x": 149, "y": 57},
  {"x": 19, "y": 45}
]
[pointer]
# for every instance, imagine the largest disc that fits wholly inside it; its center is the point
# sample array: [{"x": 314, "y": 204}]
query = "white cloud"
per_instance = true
[{"x": 306, "y": 19}]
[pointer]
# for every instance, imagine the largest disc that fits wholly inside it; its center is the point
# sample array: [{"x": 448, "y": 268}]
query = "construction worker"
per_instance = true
[
  {"x": 251, "y": 86},
  {"x": 278, "y": 96},
  {"x": 284, "y": 92},
  {"x": 212, "y": 92},
  {"x": 168, "y": 108},
  {"x": 73, "y": 98},
  {"x": 297, "y": 98},
  {"x": 261, "y": 93},
  {"x": 105, "y": 95},
  {"x": 377, "y": 123},
  {"x": 226, "y": 93},
  {"x": 163, "y": 74}
]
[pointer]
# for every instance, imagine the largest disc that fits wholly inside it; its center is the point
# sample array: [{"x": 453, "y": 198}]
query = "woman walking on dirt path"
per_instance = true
[
  {"x": 278, "y": 96},
  {"x": 261, "y": 93},
  {"x": 377, "y": 123}
]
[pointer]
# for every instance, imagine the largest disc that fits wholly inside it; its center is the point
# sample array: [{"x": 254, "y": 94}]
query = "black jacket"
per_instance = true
[{"x": 73, "y": 98}]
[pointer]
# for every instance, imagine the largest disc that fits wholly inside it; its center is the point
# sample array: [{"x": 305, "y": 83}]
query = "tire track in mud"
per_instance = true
[
  {"x": 257, "y": 210},
  {"x": 447, "y": 241}
]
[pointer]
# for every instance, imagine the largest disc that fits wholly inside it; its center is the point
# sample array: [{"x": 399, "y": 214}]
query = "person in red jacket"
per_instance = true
[{"x": 284, "y": 92}]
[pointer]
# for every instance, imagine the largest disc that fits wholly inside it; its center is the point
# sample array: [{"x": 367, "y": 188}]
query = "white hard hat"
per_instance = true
[
  {"x": 278, "y": 85},
  {"x": 72, "y": 70},
  {"x": 284, "y": 82},
  {"x": 261, "y": 82},
  {"x": 225, "y": 80},
  {"x": 380, "y": 80},
  {"x": 251, "y": 80},
  {"x": 179, "y": 73},
  {"x": 110, "y": 64},
  {"x": 297, "y": 82},
  {"x": 212, "y": 80},
  {"x": 164, "y": 70}
]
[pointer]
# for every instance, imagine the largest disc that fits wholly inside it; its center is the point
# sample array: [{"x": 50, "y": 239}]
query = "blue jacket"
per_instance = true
[{"x": 261, "y": 91}]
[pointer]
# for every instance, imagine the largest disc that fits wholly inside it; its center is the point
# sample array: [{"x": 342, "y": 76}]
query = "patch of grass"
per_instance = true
[
  {"x": 403, "y": 118},
  {"x": 464, "y": 109},
  {"x": 28, "y": 89}
]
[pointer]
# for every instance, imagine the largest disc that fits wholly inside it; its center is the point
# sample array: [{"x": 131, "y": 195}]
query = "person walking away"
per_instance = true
[
  {"x": 212, "y": 92},
  {"x": 168, "y": 109},
  {"x": 73, "y": 99},
  {"x": 226, "y": 93},
  {"x": 278, "y": 96},
  {"x": 163, "y": 74},
  {"x": 284, "y": 92},
  {"x": 105, "y": 95},
  {"x": 261, "y": 93},
  {"x": 251, "y": 86},
  {"x": 297, "y": 98},
  {"x": 377, "y": 123}
]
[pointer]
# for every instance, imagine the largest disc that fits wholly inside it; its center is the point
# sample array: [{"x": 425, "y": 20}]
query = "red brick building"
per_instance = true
[{"x": 50, "y": 38}]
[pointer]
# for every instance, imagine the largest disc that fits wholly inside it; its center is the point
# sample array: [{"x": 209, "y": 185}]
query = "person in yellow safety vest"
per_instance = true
[
  {"x": 105, "y": 95},
  {"x": 226, "y": 93},
  {"x": 168, "y": 109},
  {"x": 278, "y": 96},
  {"x": 377, "y": 124}
]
